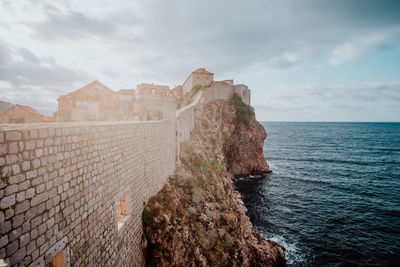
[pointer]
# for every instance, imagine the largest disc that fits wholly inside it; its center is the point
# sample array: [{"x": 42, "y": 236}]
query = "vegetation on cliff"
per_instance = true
[
  {"x": 243, "y": 149},
  {"x": 244, "y": 112},
  {"x": 198, "y": 219}
]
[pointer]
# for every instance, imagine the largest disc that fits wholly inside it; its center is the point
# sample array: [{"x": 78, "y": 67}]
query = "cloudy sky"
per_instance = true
[{"x": 303, "y": 60}]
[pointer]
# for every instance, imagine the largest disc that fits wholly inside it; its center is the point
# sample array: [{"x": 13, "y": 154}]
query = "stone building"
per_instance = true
[
  {"x": 125, "y": 99},
  {"x": 200, "y": 77},
  {"x": 205, "y": 79},
  {"x": 22, "y": 114},
  {"x": 151, "y": 89},
  {"x": 92, "y": 102},
  {"x": 155, "y": 107}
]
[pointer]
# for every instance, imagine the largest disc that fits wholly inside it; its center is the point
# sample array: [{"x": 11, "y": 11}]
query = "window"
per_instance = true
[
  {"x": 123, "y": 210},
  {"x": 57, "y": 261}
]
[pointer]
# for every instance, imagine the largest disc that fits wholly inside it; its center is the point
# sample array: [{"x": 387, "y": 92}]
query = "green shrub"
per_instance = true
[
  {"x": 204, "y": 167},
  {"x": 227, "y": 240},
  {"x": 212, "y": 140},
  {"x": 244, "y": 112},
  {"x": 173, "y": 180},
  {"x": 195, "y": 89},
  {"x": 147, "y": 216}
]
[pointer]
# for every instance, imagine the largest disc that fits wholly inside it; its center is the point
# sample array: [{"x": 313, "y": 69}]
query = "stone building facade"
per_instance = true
[
  {"x": 22, "y": 114},
  {"x": 97, "y": 102},
  {"x": 92, "y": 102},
  {"x": 200, "y": 77},
  {"x": 155, "y": 107},
  {"x": 153, "y": 89}
]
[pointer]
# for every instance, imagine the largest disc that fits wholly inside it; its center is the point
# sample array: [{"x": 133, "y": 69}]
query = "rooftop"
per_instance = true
[{"x": 202, "y": 71}]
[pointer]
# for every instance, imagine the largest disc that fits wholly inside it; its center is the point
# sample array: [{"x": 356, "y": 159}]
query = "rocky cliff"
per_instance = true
[{"x": 198, "y": 219}]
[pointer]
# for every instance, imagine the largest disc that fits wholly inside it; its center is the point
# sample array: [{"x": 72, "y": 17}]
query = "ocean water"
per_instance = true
[{"x": 333, "y": 198}]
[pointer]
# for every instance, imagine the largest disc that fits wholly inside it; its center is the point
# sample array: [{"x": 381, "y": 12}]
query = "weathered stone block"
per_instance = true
[
  {"x": 3, "y": 241},
  {"x": 21, "y": 196},
  {"x": 36, "y": 200},
  {"x": 15, "y": 169},
  {"x": 39, "y": 143},
  {"x": 17, "y": 220},
  {"x": 42, "y": 228},
  {"x": 24, "y": 185},
  {"x": 26, "y": 165},
  {"x": 43, "y": 133},
  {"x": 40, "y": 241},
  {"x": 31, "y": 174},
  {"x": 5, "y": 227},
  {"x": 11, "y": 159},
  {"x": 30, "y": 144},
  {"x": 39, "y": 152},
  {"x": 16, "y": 179},
  {"x": 3, "y": 149},
  {"x": 18, "y": 256},
  {"x": 9, "y": 213},
  {"x": 13, "y": 136},
  {"x": 24, "y": 240},
  {"x": 7, "y": 201},
  {"x": 33, "y": 134},
  {"x": 30, "y": 193},
  {"x": 31, "y": 247},
  {"x": 48, "y": 142},
  {"x": 22, "y": 207},
  {"x": 40, "y": 188},
  {"x": 14, "y": 234},
  {"x": 13, "y": 148},
  {"x": 11, "y": 189}
]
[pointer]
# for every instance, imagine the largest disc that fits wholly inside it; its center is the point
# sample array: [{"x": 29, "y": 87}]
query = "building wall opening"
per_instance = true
[
  {"x": 123, "y": 210},
  {"x": 57, "y": 261}
]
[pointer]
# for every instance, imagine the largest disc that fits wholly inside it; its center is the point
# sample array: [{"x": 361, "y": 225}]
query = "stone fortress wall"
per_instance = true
[{"x": 60, "y": 184}]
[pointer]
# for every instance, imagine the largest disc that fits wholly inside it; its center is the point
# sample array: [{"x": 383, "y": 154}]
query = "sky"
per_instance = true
[{"x": 303, "y": 60}]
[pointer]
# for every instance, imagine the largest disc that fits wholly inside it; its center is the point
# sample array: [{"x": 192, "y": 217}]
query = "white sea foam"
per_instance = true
[{"x": 293, "y": 252}]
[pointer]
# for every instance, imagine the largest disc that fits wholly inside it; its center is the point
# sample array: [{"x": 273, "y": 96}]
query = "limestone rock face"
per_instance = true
[
  {"x": 244, "y": 149},
  {"x": 198, "y": 219}
]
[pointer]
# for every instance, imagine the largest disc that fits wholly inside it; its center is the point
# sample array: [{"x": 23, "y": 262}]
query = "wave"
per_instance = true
[{"x": 293, "y": 252}]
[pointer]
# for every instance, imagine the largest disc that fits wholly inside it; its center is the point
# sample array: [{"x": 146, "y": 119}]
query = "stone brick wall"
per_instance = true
[{"x": 60, "y": 184}]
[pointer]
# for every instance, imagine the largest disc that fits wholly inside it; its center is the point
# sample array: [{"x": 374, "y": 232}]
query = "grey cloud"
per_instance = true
[
  {"x": 30, "y": 70},
  {"x": 26, "y": 79},
  {"x": 162, "y": 41},
  {"x": 225, "y": 35},
  {"x": 72, "y": 24}
]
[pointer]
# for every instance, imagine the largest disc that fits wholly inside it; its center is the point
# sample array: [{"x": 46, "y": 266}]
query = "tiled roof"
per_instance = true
[
  {"x": 202, "y": 71},
  {"x": 83, "y": 90},
  {"x": 33, "y": 111},
  {"x": 125, "y": 92},
  {"x": 29, "y": 109},
  {"x": 152, "y": 86}
]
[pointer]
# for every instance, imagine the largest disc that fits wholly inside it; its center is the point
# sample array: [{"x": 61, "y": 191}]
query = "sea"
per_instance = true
[{"x": 333, "y": 197}]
